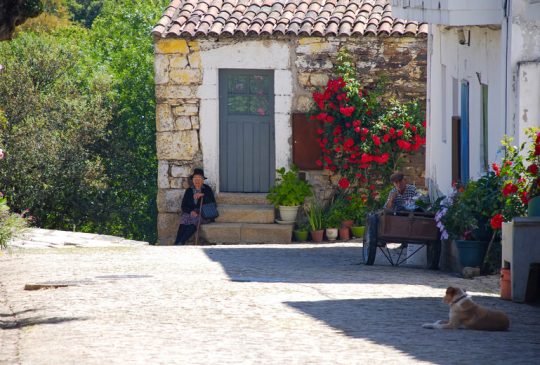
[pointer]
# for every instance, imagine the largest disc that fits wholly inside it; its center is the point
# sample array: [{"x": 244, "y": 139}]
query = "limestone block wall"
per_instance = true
[{"x": 302, "y": 66}]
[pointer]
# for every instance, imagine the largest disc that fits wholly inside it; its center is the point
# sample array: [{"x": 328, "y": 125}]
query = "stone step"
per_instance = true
[
  {"x": 245, "y": 213},
  {"x": 238, "y": 233},
  {"x": 242, "y": 198}
]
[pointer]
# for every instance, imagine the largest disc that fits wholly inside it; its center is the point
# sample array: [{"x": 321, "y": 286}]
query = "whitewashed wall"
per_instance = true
[{"x": 479, "y": 63}]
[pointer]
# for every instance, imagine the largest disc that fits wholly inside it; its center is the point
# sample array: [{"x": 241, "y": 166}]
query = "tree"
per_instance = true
[
  {"x": 15, "y": 12},
  {"x": 55, "y": 116},
  {"x": 85, "y": 11}
]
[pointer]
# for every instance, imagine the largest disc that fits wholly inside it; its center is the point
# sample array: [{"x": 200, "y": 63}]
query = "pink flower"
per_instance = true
[{"x": 1, "y": 153}]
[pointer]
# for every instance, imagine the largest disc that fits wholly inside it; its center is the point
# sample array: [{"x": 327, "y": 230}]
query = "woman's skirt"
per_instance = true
[{"x": 187, "y": 219}]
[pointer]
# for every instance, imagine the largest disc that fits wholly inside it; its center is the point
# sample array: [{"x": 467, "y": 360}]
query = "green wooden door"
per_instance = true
[{"x": 246, "y": 130}]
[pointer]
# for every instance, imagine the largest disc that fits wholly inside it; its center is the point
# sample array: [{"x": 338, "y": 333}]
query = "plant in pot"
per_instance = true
[
  {"x": 357, "y": 210},
  {"x": 288, "y": 193},
  {"x": 332, "y": 220},
  {"x": 301, "y": 232},
  {"x": 315, "y": 219},
  {"x": 459, "y": 221}
]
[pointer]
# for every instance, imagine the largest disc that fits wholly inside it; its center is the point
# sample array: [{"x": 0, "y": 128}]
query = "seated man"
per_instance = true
[{"x": 400, "y": 194}]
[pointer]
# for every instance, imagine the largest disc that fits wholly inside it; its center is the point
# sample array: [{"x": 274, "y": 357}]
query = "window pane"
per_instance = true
[
  {"x": 238, "y": 104},
  {"x": 259, "y": 84},
  {"x": 239, "y": 84},
  {"x": 259, "y": 105}
]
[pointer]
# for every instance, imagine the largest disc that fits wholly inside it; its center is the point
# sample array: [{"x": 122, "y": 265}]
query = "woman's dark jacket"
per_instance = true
[{"x": 188, "y": 205}]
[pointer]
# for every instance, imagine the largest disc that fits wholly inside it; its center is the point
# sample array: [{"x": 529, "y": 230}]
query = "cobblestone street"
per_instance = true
[{"x": 263, "y": 304}]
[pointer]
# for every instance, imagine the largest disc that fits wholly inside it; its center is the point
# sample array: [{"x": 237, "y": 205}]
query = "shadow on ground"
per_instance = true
[
  {"x": 308, "y": 265},
  {"x": 34, "y": 321},
  {"x": 397, "y": 323}
]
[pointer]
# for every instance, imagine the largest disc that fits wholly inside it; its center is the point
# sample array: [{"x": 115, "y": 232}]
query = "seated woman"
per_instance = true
[
  {"x": 191, "y": 204},
  {"x": 400, "y": 194}
]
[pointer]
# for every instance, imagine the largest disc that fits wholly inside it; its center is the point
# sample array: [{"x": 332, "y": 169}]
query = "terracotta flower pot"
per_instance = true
[
  {"x": 344, "y": 233},
  {"x": 317, "y": 236},
  {"x": 348, "y": 223}
]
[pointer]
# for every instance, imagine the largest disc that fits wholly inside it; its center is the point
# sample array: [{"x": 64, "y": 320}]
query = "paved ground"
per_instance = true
[{"x": 130, "y": 303}]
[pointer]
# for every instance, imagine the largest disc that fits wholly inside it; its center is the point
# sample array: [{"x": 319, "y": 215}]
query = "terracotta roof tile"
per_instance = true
[{"x": 199, "y": 18}]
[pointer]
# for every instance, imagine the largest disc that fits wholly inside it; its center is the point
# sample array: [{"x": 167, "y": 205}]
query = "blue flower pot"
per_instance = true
[
  {"x": 533, "y": 209},
  {"x": 471, "y": 253}
]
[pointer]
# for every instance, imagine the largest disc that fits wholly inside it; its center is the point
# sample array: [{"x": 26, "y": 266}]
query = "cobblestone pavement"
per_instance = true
[{"x": 267, "y": 304}]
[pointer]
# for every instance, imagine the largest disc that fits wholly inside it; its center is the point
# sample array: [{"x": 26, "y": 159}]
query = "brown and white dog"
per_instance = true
[{"x": 466, "y": 313}]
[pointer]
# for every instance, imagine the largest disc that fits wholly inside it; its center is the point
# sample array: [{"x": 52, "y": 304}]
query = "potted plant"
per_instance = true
[
  {"x": 315, "y": 219},
  {"x": 357, "y": 210},
  {"x": 332, "y": 220},
  {"x": 301, "y": 232},
  {"x": 288, "y": 193},
  {"x": 461, "y": 220}
]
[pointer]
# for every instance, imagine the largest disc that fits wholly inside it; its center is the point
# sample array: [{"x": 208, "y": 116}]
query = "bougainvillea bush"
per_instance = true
[
  {"x": 520, "y": 173},
  {"x": 364, "y": 137}
]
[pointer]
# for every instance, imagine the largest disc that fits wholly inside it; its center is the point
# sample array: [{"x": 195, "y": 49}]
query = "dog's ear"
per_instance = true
[{"x": 450, "y": 290}]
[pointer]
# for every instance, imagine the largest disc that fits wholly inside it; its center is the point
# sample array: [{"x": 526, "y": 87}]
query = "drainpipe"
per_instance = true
[{"x": 507, "y": 4}]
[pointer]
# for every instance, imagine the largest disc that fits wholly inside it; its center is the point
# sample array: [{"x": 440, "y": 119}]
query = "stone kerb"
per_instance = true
[{"x": 178, "y": 76}]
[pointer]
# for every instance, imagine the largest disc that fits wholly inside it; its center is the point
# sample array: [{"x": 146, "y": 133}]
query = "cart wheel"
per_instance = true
[
  {"x": 369, "y": 249},
  {"x": 433, "y": 255}
]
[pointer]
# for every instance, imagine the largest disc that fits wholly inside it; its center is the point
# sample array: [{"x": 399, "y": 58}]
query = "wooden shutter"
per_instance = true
[{"x": 306, "y": 149}]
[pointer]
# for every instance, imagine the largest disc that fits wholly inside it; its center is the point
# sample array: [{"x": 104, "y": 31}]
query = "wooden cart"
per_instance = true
[{"x": 401, "y": 227}]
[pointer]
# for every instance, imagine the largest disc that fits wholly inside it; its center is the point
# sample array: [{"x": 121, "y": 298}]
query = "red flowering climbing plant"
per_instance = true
[
  {"x": 362, "y": 138},
  {"x": 520, "y": 174}
]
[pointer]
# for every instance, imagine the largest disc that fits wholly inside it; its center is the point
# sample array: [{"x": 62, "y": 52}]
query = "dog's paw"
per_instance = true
[{"x": 429, "y": 325}]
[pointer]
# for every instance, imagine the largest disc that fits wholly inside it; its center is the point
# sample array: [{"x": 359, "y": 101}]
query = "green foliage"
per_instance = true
[
  {"x": 467, "y": 217},
  {"x": 55, "y": 130},
  {"x": 315, "y": 217},
  {"x": 289, "y": 190},
  {"x": 85, "y": 11},
  {"x": 10, "y": 224}
]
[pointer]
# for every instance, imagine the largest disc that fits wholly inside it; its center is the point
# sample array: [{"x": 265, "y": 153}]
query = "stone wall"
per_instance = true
[{"x": 178, "y": 78}]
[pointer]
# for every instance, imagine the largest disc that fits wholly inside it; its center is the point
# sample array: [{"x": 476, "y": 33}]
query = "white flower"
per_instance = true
[{"x": 1, "y": 153}]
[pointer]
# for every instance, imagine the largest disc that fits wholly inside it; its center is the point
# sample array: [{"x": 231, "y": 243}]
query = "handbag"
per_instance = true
[{"x": 209, "y": 211}]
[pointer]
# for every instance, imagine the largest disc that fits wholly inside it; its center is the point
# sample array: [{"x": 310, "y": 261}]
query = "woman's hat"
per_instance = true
[{"x": 198, "y": 172}]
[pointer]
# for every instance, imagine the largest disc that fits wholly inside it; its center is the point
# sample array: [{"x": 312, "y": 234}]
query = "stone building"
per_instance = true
[{"x": 233, "y": 83}]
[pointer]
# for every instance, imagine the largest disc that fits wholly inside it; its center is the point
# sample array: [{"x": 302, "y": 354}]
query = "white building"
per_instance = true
[{"x": 483, "y": 80}]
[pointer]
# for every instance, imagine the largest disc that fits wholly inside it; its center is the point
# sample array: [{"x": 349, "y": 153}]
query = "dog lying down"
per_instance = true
[{"x": 467, "y": 314}]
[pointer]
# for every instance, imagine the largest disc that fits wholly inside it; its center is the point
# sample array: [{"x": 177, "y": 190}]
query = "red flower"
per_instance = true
[
  {"x": 376, "y": 140},
  {"x": 399, "y": 133},
  {"x": 357, "y": 129},
  {"x": 404, "y": 145},
  {"x": 524, "y": 198},
  {"x": 407, "y": 124},
  {"x": 496, "y": 221},
  {"x": 364, "y": 130},
  {"x": 392, "y": 131},
  {"x": 386, "y": 138},
  {"x": 366, "y": 158},
  {"x": 509, "y": 189},
  {"x": 537, "y": 150},
  {"x": 496, "y": 169},
  {"x": 424, "y": 124},
  {"x": 356, "y": 123},
  {"x": 368, "y": 112},
  {"x": 362, "y": 138},
  {"x": 348, "y": 143},
  {"x": 329, "y": 119},
  {"x": 319, "y": 163},
  {"x": 344, "y": 183},
  {"x": 533, "y": 169},
  {"x": 414, "y": 129},
  {"x": 347, "y": 111},
  {"x": 382, "y": 159},
  {"x": 320, "y": 131}
]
